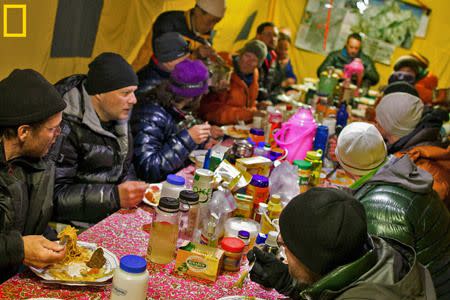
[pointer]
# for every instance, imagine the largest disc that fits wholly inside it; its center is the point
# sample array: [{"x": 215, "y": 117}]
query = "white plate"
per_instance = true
[
  {"x": 111, "y": 263},
  {"x": 228, "y": 130},
  {"x": 159, "y": 185}
]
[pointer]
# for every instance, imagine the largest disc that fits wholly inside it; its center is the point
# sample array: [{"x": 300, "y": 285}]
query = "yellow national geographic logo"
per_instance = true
[{"x": 9, "y": 7}]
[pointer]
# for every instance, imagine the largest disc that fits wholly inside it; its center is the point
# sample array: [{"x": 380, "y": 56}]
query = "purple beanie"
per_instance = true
[{"x": 189, "y": 79}]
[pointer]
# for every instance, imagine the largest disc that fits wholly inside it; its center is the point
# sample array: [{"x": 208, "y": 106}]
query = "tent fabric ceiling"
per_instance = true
[{"x": 124, "y": 27}]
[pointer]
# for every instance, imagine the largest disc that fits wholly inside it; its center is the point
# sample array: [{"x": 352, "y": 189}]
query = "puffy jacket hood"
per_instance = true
[{"x": 403, "y": 172}]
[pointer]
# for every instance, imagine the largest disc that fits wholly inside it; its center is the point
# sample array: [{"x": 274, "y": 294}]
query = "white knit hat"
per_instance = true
[
  {"x": 399, "y": 113},
  {"x": 213, "y": 7},
  {"x": 360, "y": 148}
]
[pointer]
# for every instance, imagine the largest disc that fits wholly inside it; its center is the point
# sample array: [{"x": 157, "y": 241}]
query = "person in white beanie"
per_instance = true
[
  {"x": 411, "y": 129},
  {"x": 398, "y": 198},
  {"x": 195, "y": 25}
]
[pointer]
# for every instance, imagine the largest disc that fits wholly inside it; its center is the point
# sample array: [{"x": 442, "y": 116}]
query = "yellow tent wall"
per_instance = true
[{"x": 125, "y": 28}]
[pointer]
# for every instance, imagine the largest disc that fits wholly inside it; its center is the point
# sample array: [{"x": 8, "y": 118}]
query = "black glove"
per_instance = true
[{"x": 270, "y": 272}]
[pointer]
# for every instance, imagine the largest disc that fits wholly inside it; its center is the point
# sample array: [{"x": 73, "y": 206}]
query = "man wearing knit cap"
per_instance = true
[
  {"x": 238, "y": 103},
  {"x": 411, "y": 129},
  {"x": 30, "y": 116},
  {"x": 331, "y": 256},
  {"x": 94, "y": 175},
  {"x": 169, "y": 50},
  {"x": 399, "y": 199},
  {"x": 195, "y": 25}
]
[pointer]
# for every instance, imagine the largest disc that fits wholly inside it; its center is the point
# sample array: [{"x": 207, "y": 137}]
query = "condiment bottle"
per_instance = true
[
  {"x": 257, "y": 135},
  {"x": 315, "y": 158},
  {"x": 260, "y": 240},
  {"x": 189, "y": 209},
  {"x": 304, "y": 172},
  {"x": 258, "y": 189},
  {"x": 262, "y": 209},
  {"x": 130, "y": 281},
  {"x": 244, "y": 236},
  {"x": 271, "y": 245},
  {"x": 164, "y": 235},
  {"x": 172, "y": 187},
  {"x": 233, "y": 248},
  {"x": 203, "y": 180},
  {"x": 274, "y": 207}
]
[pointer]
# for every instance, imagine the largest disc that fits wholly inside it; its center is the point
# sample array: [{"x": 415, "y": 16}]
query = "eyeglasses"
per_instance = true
[{"x": 54, "y": 130}]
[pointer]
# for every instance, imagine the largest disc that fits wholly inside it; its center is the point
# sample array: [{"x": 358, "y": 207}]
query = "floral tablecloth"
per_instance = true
[{"x": 125, "y": 233}]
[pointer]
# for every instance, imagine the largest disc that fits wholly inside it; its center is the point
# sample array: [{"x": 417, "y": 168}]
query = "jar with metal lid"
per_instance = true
[
  {"x": 241, "y": 149},
  {"x": 189, "y": 214},
  {"x": 164, "y": 234},
  {"x": 130, "y": 281},
  {"x": 233, "y": 250}
]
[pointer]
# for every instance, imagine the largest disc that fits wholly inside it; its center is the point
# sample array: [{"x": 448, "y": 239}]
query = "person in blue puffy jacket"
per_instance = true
[{"x": 163, "y": 135}]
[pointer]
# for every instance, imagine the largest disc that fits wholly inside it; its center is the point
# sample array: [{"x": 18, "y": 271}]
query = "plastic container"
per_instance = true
[
  {"x": 258, "y": 189},
  {"x": 130, "y": 281},
  {"x": 274, "y": 207},
  {"x": 164, "y": 235},
  {"x": 257, "y": 135},
  {"x": 262, "y": 209},
  {"x": 271, "y": 245},
  {"x": 172, "y": 187},
  {"x": 304, "y": 173},
  {"x": 234, "y": 225},
  {"x": 233, "y": 250},
  {"x": 261, "y": 239},
  {"x": 315, "y": 158},
  {"x": 244, "y": 236},
  {"x": 259, "y": 150},
  {"x": 203, "y": 180},
  {"x": 297, "y": 135},
  {"x": 189, "y": 214},
  {"x": 342, "y": 116},
  {"x": 321, "y": 139}
]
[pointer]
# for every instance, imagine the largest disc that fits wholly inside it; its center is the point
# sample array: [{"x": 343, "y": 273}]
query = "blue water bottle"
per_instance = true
[
  {"x": 342, "y": 116},
  {"x": 321, "y": 139}
]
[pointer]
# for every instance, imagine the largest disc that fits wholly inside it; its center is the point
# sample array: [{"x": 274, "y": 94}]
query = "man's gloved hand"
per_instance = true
[{"x": 270, "y": 271}]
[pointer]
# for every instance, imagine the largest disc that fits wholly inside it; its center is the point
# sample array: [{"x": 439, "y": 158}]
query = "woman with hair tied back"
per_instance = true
[{"x": 162, "y": 140}]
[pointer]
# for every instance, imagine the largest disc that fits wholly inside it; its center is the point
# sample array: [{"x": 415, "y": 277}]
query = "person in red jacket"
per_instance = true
[
  {"x": 238, "y": 103},
  {"x": 425, "y": 81}
]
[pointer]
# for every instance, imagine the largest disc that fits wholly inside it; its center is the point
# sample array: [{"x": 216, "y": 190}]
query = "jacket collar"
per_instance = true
[{"x": 32, "y": 164}]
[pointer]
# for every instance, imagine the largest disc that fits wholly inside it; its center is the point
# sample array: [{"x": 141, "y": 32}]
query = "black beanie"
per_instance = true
[
  {"x": 170, "y": 46},
  {"x": 402, "y": 87},
  {"x": 26, "y": 97},
  {"x": 109, "y": 72},
  {"x": 324, "y": 228}
]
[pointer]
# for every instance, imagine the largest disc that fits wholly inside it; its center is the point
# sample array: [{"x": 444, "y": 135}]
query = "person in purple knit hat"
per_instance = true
[{"x": 163, "y": 138}]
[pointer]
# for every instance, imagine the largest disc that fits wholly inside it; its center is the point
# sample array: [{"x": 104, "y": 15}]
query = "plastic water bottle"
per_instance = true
[
  {"x": 321, "y": 139},
  {"x": 342, "y": 115}
]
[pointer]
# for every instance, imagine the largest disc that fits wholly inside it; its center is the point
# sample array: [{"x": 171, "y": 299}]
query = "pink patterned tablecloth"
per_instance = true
[{"x": 122, "y": 233}]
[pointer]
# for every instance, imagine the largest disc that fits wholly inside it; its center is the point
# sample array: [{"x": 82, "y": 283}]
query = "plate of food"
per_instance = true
[
  {"x": 84, "y": 262},
  {"x": 152, "y": 194},
  {"x": 236, "y": 131}
]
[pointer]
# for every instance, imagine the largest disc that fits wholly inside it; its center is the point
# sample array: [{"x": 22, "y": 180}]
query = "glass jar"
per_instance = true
[
  {"x": 172, "y": 187},
  {"x": 233, "y": 249},
  {"x": 164, "y": 234},
  {"x": 189, "y": 214},
  {"x": 130, "y": 281}
]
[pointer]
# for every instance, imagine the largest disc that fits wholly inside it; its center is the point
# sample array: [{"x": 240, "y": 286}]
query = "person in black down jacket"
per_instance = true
[
  {"x": 399, "y": 200},
  {"x": 94, "y": 174},
  {"x": 30, "y": 114},
  {"x": 161, "y": 143}
]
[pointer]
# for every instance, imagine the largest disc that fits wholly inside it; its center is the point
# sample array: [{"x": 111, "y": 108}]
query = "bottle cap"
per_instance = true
[
  {"x": 259, "y": 181},
  {"x": 168, "y": 204},
  {"x": 243, "y": 234},
  {"x": 190, "y": 197},
  {"x": 262, "y": 207},
  {"x": 302, "y": 164},
  {"x": 261, "y": 238},
  {"x": 272, "y": 239},
  {"x": 133, "y": 264},
  {"x": 232, "y": 244},
  {"x": 275, "y": 199},
  {"x": 175, "y": 179},
  {"x": 261, "y": 144},
  {"x": 257, "y": 131}
]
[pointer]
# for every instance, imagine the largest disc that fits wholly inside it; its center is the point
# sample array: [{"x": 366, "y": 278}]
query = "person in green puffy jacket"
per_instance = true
[{"x": 399, "y": 200}]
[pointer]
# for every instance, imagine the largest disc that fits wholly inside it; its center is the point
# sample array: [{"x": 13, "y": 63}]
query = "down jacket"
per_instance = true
[
  {"x": 161, "y": 147},
  {"x": 93, "y": 160},
  {"x": 400, "y": 204}
]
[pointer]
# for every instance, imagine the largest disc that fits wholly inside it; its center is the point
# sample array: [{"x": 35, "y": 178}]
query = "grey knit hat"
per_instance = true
[{"x": 256, "y": 47}]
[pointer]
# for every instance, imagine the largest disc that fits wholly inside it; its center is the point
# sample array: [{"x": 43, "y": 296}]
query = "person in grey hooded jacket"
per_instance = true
[{"x": 399, "y": 200}]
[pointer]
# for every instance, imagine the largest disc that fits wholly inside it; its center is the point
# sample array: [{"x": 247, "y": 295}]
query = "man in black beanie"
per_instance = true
[
  {"x": 169, "y": 49},
  {"x": 94, "y": 175},
  {"x": 30, "y": 115},
  {"x": 331, "y": 256}
]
